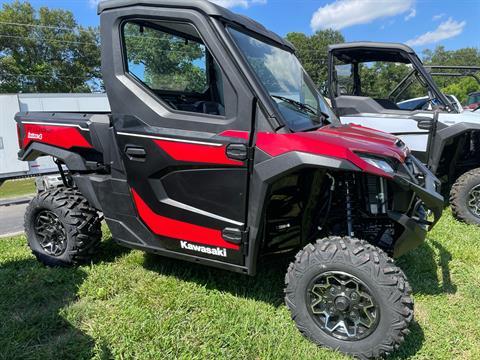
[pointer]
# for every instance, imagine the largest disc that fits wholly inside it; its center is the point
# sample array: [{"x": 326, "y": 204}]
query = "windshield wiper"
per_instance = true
[
  {"x": 299, "y": 105},
  {"x": 320, "y": 119}
]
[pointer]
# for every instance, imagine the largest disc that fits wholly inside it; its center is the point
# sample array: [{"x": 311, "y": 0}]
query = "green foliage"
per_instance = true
[
  {"x": 381, "y": 78},
  {"x": 45, "y": 50},
  {"x": 458, "y": 86},
  {"x": 461, "y": 88},
  {"x": 313, "y": 50},
  {"x": 164, "y": 61},
  {"x": 440, "y": 56}
]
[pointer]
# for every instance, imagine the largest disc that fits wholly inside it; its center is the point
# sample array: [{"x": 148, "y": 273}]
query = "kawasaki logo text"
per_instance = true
[{"x": 203, "y": 249}]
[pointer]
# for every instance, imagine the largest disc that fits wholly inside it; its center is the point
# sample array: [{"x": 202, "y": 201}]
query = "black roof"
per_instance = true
[
  {"x": 204, "y": 6},
  {"x": 367, "y": 51}
]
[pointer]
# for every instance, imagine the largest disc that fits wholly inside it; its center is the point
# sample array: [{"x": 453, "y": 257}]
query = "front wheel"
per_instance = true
[
  {"x": 465, "y": 197},
  {"x": 348, "y": 295}
]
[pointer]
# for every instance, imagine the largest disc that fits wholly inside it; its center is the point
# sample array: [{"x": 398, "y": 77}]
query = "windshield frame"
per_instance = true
[{"x": 265, "y": 95}]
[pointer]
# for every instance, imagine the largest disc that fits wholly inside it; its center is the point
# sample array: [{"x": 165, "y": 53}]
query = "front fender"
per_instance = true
[
  {"x": 266, "y": 171},
  {"x": 441, "y": 138},
  {"x": 278, "y": 166}
]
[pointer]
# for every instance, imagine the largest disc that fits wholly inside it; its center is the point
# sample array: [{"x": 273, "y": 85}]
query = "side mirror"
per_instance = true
[{"x": 424, "y": 123}]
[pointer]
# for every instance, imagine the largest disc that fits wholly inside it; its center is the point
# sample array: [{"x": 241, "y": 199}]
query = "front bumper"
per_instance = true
[{"x": 415, "y": 221}]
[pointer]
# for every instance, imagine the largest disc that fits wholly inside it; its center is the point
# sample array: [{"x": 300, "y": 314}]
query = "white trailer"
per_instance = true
[{"x": 10, "y": 104}]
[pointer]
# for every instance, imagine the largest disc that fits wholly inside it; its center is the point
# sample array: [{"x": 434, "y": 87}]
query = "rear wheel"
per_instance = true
[
  {"x": 346, "y": 294},
  {"x": 465, "y": 197},
  {"x": 62, "y": 228}
]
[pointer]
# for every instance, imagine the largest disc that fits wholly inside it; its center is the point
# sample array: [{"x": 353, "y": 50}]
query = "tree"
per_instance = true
[
  {"x": 164, "y": 61},
  {"x": 313, "y": 50},
  {"x": 379, "y": 79},
  {"x": 45, "y": 50},
  {"x": 461, "y": 88},
  {"x": 458, "y": 86},
  {"x": 440, "y": 56}
]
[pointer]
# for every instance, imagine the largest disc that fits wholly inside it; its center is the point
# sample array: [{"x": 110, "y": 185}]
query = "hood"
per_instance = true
[
  {"x": 363, "y": 140},
  {"x": 342, "y": 141},
  {"x": 463, "y": 117}
]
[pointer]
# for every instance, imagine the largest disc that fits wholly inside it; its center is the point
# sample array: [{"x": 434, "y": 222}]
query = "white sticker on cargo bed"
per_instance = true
[{"x": 34, "y": 136}]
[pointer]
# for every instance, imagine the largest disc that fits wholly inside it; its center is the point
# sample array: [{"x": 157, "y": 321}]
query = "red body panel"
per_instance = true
[
  {"x": 339, "y": 142},
  {"x": 180, "y": 230},
  {"x": 65, "y": 137},
  {"x": 239, "y": 134},
  {"x": 198, "y": 153}
]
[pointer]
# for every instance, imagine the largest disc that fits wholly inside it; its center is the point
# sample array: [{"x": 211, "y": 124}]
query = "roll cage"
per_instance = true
[
  {"x": 355, "y": 53},
  {"x": 437, "y": 70}
]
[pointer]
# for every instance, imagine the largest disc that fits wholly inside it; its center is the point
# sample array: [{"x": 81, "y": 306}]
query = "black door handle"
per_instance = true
[
  {"x": 136, "y": 153},
  {"x": 237, "y": 151}
]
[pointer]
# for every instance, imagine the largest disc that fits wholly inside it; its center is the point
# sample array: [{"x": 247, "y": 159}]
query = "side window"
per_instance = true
[
  {"x": 344, "y": 79},
  {"x": 170, "y": 59}
]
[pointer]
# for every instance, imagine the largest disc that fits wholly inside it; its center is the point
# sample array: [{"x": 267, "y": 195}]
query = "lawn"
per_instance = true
[
  {"x": 128, "y": 304},
  {"x": 20, "y": 187}
]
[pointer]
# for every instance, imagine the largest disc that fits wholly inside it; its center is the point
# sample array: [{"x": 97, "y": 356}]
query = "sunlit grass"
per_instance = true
[
  {"x": 131, "y": 305},
  {"x": 19, "y": 187}
]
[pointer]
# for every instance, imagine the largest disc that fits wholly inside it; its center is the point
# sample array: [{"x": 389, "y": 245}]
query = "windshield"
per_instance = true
[
  {"x": 301, "y": 105},
  {"x": 473, "y": 98}
]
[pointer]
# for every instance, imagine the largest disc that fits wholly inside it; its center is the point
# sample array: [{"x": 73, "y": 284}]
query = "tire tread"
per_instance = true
[
  {"x": 362, "y": 254},
  {"x": 80, "y": 220},
  {"x": 457, "y": 194}
]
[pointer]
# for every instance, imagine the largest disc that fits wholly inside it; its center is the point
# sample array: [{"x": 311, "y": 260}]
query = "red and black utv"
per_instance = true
[{"x": 219, "y": 150}]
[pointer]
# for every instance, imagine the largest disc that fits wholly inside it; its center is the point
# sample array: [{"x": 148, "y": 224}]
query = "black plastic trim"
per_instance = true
[
  {"x": 273, "y": 168},
  {"x": 442, "y": 136},
  {"x": 73, "y": 161}
]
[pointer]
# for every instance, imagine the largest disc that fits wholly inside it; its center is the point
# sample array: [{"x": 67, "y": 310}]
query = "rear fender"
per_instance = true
[{"x": 73, "y": 161}]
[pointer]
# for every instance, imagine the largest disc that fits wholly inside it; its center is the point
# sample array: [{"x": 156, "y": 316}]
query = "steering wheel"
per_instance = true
[{"x": 434, "y": 102}]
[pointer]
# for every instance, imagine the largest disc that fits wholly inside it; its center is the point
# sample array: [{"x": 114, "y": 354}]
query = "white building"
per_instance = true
[{"x": 10, "y": 104}]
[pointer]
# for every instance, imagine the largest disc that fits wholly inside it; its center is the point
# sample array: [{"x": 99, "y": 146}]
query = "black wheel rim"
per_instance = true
[
  {"x": 50, "y": 233},
  {"x": 342, "y": 306},
  {"x": 473, "y": 202}
]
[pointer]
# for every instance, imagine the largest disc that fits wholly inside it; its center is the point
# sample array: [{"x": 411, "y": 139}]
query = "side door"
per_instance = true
[
  {"x": 344, "y": 85},
  {"x": 182, "y": 118},
  {"x": 414, "y": 130}
]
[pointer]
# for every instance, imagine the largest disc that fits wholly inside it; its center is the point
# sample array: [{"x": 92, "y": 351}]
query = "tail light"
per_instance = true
[{"x": 19, "y": 136}]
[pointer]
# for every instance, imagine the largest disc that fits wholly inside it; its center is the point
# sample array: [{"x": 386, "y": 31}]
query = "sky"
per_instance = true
[{"x": 419, "y": 23}]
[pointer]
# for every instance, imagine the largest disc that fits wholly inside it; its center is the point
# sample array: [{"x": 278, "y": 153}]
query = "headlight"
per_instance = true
[{"x": 379, "y": 163}]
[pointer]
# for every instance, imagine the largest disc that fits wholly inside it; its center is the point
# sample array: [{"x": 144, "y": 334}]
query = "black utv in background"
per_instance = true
[
  {"x": 432, "y": 124},
  {"x": 219, "y": 150}
]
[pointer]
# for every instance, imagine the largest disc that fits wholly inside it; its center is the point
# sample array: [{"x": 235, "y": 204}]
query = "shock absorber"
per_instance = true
[{"x": 349, "y": 207}]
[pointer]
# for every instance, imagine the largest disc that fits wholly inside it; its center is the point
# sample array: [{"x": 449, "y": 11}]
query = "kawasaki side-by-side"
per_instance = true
[
  {"x": 433, "y": 125},
  {"x": 219, "y": 150}
]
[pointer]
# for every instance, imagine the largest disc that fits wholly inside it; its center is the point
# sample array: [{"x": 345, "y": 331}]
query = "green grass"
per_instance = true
[
  {"x": 14, "y": 188},
  {"x": 130, "y": 305}
]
